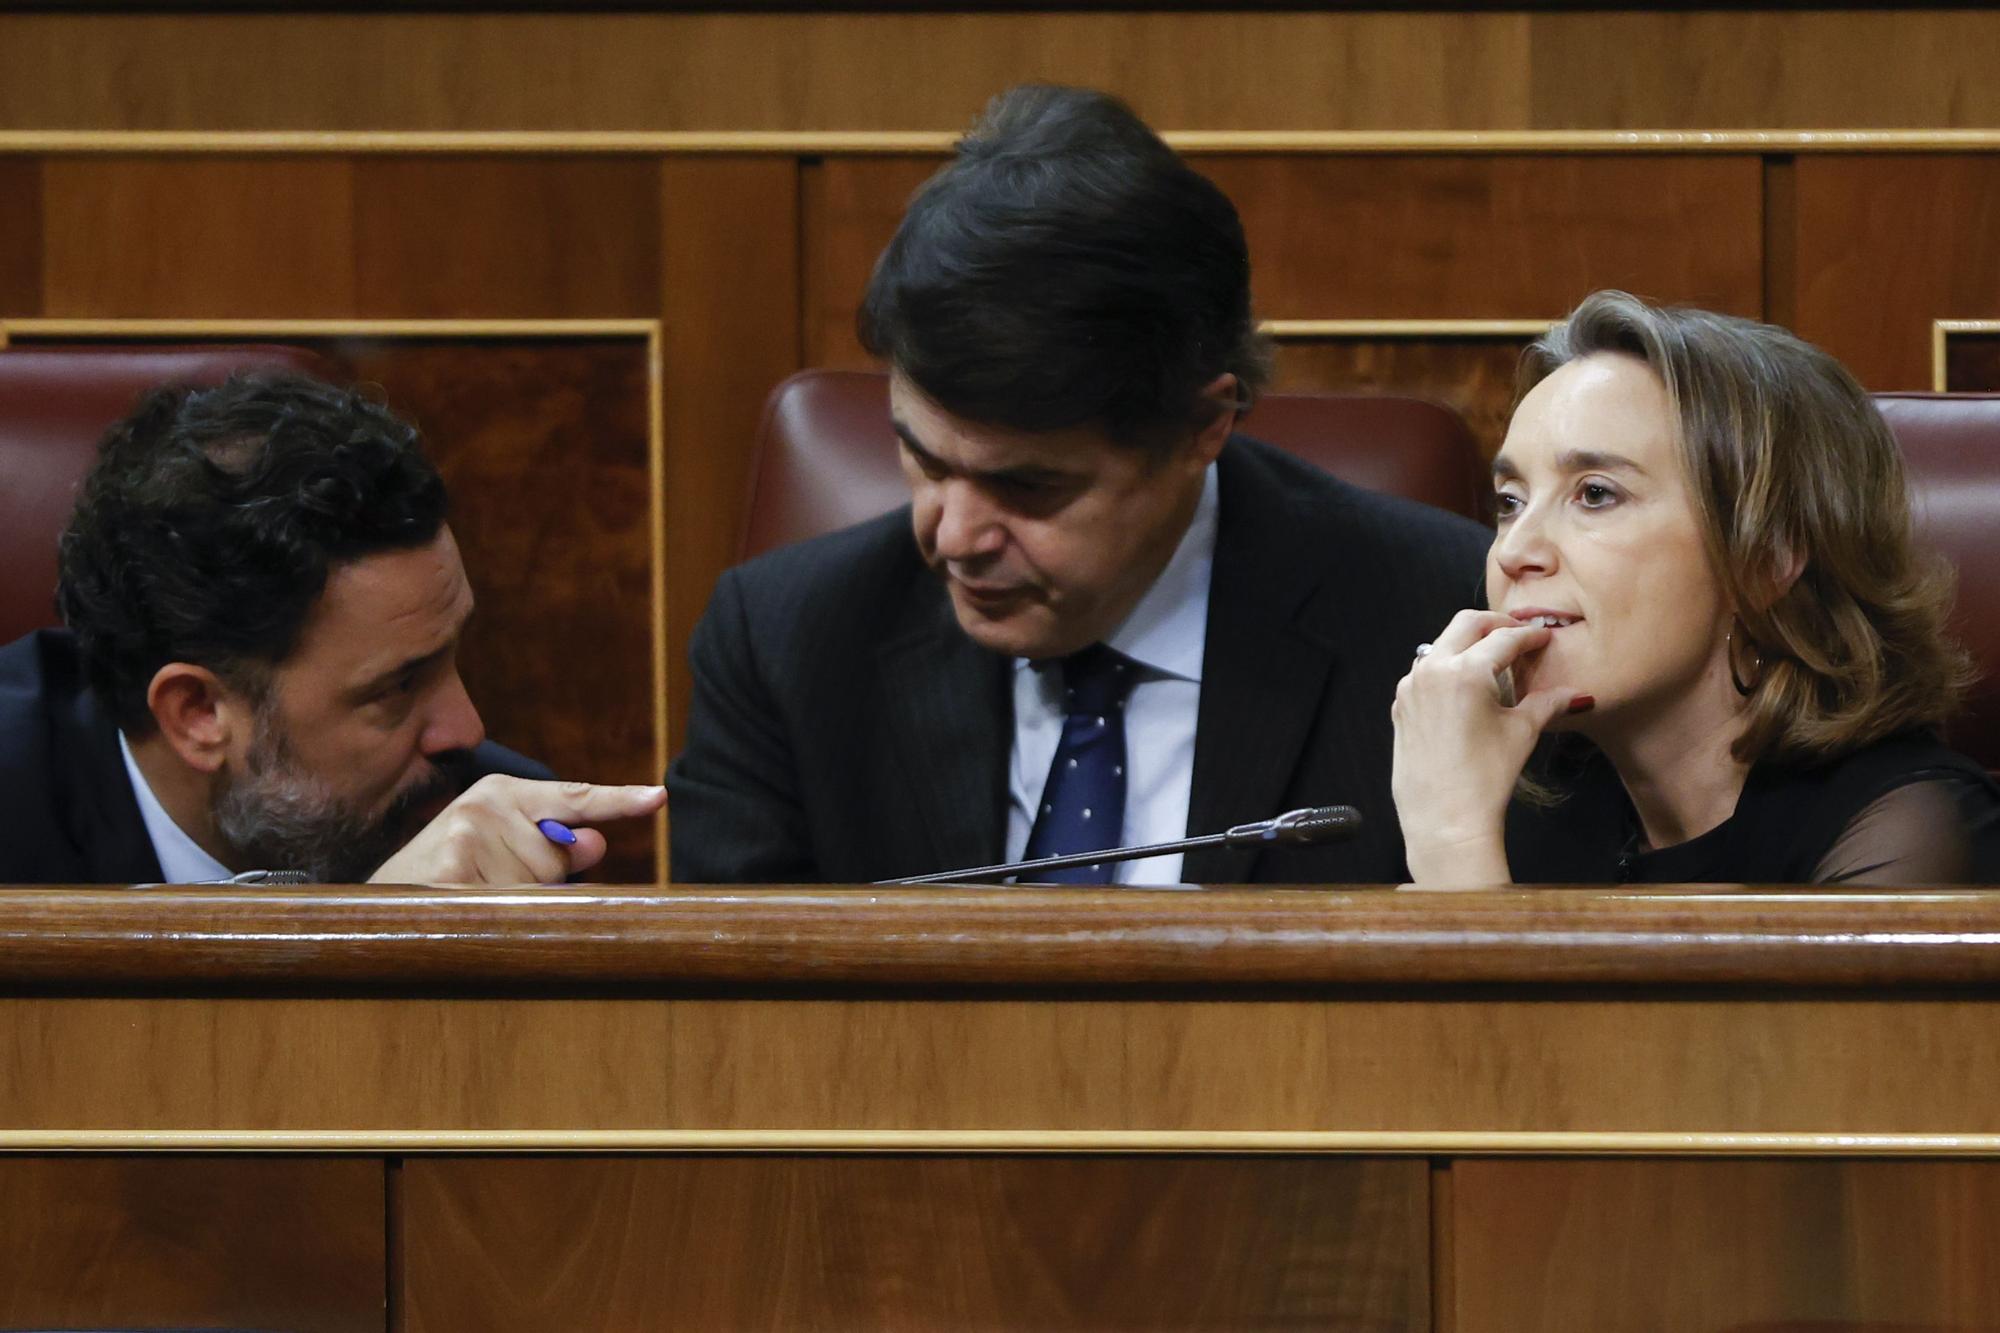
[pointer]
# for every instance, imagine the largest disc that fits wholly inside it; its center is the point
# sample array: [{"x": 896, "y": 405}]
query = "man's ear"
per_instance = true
[
  {"x": 1226, "y": 393},
  {"x": 197, "y": 715}
]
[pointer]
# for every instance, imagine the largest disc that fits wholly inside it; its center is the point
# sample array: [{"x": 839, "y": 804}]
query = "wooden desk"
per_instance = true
[{"x": 837, "y": 1108}]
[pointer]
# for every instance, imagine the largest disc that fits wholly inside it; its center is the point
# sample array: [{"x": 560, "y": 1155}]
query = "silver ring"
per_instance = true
[{"x": 1423, "y": 651}]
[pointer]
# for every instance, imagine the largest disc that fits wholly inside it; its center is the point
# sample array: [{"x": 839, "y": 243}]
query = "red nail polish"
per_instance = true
[{"x": 1583, "y": 703}]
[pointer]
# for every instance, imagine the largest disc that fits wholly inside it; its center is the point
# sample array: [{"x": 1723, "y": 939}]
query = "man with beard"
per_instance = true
[{"x": 263, "y": 607}]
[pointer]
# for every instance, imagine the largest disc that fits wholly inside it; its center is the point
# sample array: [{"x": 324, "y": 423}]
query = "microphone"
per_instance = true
[{"x": 1294, "y": 828}]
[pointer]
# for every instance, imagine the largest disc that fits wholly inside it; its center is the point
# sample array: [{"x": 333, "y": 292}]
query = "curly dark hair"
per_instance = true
[
  {"x": 1067, "y": 268},
  {"x": 207, "y": 527}
]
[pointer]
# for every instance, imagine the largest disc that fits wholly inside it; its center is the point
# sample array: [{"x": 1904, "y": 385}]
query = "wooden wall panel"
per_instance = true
[
  {"x": 507, "y": 237},
  {"x": 1613, "y": 1246},
  {"x": 1009, "y": 1242},
  {"x": 1888, "y": 244},
  {"x": 20, "y": 236},
  {"x": 1474, "y": 375},
  {"x": 730, "y": 297},
  {"x": 1892, "y": 67},
  {"x": 1494, "y": 237},
  {"x": 198, "y": 237},
  {"x": 278, "y": 1243},
  {"x": 1722, "y": 69},
  {"x": 851, "y": 208}
]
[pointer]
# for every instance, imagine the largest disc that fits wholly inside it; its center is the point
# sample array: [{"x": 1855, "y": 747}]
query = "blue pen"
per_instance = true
[{"x": 556, "y": 832}]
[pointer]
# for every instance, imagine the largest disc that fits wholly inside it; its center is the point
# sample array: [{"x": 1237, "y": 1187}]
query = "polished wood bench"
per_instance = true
[{"x": 947, "y": 1108}]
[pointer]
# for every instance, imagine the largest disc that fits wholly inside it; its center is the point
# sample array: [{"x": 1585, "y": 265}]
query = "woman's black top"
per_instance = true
[{"x": 1905, "y": 810}]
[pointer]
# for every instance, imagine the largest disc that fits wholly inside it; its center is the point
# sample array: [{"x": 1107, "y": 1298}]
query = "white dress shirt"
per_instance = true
[
  {"x": 182, "y": 861},
  {"x": 1166, "y": 634}
]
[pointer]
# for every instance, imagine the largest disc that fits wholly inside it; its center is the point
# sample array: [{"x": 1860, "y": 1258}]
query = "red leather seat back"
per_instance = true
[
  {"x": 827, "y": 456},
  {"x": 1951, "y": 445},
  {"x": 55, "y": 404}
]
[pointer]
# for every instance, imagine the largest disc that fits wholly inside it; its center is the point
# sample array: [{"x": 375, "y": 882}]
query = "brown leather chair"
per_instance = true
[
  {"x": 1951, "y": 442},
  {"x": 827, "y": 455},
  {"x": 55, "y": 403}
]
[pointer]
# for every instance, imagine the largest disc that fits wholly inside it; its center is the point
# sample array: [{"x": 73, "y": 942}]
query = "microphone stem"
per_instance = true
[{"x": 1015, "y": 869}]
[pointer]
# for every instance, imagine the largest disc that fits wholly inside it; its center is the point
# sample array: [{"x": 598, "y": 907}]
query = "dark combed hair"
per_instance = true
[
  {"x": 1066, "y": 269},
  {"x": 207, "y": 527}
]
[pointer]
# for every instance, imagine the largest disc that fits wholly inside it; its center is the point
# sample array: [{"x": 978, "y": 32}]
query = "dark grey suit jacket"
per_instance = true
[
  {"x": 70, "y": 814},
  {"x": 845, "y": 730}
]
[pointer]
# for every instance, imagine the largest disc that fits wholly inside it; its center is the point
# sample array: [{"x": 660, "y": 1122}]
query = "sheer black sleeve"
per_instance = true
[{"x": 1942, "y": 829}]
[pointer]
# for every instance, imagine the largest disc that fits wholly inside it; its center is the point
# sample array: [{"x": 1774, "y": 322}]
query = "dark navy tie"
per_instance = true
[{"x": 1083, "y": 802}]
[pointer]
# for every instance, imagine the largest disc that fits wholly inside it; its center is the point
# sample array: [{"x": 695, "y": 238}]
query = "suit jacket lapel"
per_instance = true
[
  {"x": 100, "y": 807},
  {"x": 1264, "y": 671},
  {"x": 950, "y": 713}
]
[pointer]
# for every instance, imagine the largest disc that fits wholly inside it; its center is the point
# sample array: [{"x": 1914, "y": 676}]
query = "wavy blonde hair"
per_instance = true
[{"x": 1790, "y": 465}]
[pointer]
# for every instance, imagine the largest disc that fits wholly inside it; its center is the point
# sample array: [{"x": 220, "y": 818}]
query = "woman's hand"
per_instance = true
[{"x": 1460, "y": 747}]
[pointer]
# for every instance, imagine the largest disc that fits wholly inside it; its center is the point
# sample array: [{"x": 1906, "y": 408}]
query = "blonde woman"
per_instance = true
[{"x": 1703, "y": 583}]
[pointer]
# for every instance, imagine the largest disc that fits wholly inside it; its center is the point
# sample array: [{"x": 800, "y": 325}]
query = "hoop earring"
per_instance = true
[{"x": 1729, "y": 653}]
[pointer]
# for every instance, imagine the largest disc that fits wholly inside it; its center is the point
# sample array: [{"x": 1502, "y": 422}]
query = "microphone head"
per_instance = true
[{"x": 1322, "y": 823}]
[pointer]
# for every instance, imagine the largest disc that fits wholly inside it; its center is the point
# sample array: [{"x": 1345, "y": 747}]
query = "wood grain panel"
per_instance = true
[
  {"x": 851, "y": 208},
  {"x": 801, "y": 70},
  {"x": 1493, "y": 237},
  {"x": 20, "y": 236},
  {"x": 1888, "y": 244},
  {"x": 730, "y": 297},
  {"x": 198, "y": 237},
  {"x": 1891, "y": 67},
  {"x": 1407, "y": 1061},
  {"x": 1474, "y": 375},
  {"x": 1640, "y": 1245},
  {"x": 544, "y": 445},
  {"x": 278, "y": 1243},
  {"x": 1026, "y": 1243},
  {"x": 513, "y": 237}
]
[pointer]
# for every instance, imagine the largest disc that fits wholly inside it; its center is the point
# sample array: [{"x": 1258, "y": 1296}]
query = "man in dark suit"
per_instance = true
[
  {"x": 1106, "y": 619},
  {"x": 259, "y": 672}
]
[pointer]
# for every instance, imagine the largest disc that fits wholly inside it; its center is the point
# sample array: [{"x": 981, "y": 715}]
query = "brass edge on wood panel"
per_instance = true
[
  {"x": 872, "y": 142},
  {"x": 1349, "y": 1142},
  {"x": 1289, "y": 330},
  {"x": 1941, "y": 331},
  {"x": 656, "y": 468}
]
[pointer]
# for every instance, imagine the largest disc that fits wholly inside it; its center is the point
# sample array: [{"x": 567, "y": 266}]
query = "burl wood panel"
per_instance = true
[
  {"x": 198, "y": 237},
  {"x": 896, "y": 1242},
  {"x": 729, "y": 293},
  {"x": 543, "y": 443},
  {"x": 1493, "y": 237},
  {"x": 155, "y": 1242},
  {"x": 507, "y": 237},
  {"x": 1474, "y": 375},
  {"x": 1613, "y": 1246},
  {"x": 1410, "y": 1062},
  {"x": 1972, "y": 363},
  {"x": 1888, "y": 244},
  {"x": 20, "y": 236}
]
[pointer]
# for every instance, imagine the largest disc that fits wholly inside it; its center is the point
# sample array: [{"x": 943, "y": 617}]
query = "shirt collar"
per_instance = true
[
  {"x": 1167, "y": 631},
  {"x": 182, "y": 861}
]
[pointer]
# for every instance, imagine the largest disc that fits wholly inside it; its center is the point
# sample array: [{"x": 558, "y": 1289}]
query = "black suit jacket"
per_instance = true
[
  {"x": 845, "y": 729},
  {"x": 70, "y": 816}
]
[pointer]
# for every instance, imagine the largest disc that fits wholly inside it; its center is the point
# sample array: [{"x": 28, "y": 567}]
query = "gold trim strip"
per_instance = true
[
  {"x": 1298, "y": 329},
  {"x": 866, "y": 142},
  {"x": 1451, "y": 1143}
]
